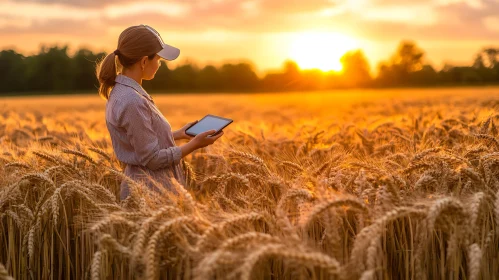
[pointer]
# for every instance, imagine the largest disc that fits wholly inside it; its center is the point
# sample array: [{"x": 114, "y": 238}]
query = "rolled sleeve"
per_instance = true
[
  {"x": 167, "y": 157},
  {"x": 137, "y": 121}
]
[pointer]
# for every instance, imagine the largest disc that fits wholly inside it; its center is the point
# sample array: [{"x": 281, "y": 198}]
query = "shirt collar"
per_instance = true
[{"x": 127, "y": 81}]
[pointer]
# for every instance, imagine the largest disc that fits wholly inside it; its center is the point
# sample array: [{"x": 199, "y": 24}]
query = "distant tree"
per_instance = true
[
  {"x": 463, "y": 75},
  {"x": 12, "y": 72},
  {"x": 290, "y": 79},
  {"x": 487, "y": 65},
  {"x": 53, "y": 71},
  {"x": 209, "y": 78},
  {"x": 184, "y": 77},
  {"x": 356, "y": 72},
  {"x": 50, "y": 70},
  {"x": 478, "y": 62},
  {"x": 313, "y": 79},
  {"x": 82, "y": 70},
  {"x": 238, "y": 77},
  {"x": 291, "y": 68},
  {"x": 273, "y": 82},
  {"x": 491, "y": 54},
  {"x": 427, "y": 76},
  {"x": 407, "y": 59},
  {"x": 487, "y": 57},
  {"x": 162, "y": 80}
]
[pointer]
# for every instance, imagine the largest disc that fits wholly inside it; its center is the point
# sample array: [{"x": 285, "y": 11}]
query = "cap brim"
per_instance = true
[{"x": 168, "y": 52}]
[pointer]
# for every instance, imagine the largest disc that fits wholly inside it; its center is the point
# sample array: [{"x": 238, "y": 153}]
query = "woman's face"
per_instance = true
[{"x": 151, "y": 67}]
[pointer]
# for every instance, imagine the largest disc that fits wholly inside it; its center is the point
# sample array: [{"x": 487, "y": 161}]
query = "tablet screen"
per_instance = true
[{"x": 207, "y": 123}]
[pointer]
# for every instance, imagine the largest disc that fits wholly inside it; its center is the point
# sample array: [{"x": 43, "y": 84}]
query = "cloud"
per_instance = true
[
  {"x": 213, "y": 23},
  {"x": 22, "y": 18},
  {"x": 251, "y": 16},
  {"x": 280, "y": 6},
  {"x": 68, "y": 27},
  {"x": 375, "y": 19},
  {"x": 295, "y": 6},
  {"x": 452, "y": 20},
  {"x": 492, "y": 23},
  {"x": 77, "y": 3}
]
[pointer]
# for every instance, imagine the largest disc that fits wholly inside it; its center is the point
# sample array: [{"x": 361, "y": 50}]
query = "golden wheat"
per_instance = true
[{"x": 400, "y": 189}]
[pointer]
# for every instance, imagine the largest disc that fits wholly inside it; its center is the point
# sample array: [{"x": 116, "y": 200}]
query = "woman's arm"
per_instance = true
[
  {"x": 177, "y": 134},
  {"x": 180, "y": 134},
  {"x": 137, "y": 121},
  {"x": 201, "y": 140}
]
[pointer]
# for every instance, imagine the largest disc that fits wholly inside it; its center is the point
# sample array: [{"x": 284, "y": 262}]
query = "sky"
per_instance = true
[{"x": 315, "y": 33}]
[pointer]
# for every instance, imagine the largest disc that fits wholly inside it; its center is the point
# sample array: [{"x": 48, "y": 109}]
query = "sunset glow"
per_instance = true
[
  {"x": 314, "y": 33},
  {"x": 321, "y": 50}
]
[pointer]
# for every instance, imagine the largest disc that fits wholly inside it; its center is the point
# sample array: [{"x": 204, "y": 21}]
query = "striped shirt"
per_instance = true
[{"x": 142, "y": 137}]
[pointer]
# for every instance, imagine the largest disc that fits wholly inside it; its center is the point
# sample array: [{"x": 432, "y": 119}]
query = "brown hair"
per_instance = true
[{"x": 134, "y": 43}]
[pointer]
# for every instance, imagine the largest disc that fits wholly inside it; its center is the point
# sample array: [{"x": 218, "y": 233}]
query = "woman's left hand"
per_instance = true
[{"x": 180, "y": 134}]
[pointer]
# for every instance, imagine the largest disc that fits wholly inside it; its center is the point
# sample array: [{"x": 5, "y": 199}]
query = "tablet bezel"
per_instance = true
[{"x": 213, "y": 116}]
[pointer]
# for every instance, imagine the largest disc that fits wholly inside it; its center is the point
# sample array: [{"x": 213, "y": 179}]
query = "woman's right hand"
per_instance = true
[{"x": 203, "y": 139}]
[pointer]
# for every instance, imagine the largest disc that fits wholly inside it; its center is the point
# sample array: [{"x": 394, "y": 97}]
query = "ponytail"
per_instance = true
[
  {"x": 106, "y": 74},
  {"x": 134, "y": 43}
]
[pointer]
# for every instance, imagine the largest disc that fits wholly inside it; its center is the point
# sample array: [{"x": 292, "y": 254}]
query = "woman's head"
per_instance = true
[{"x": 138, "y": 47}]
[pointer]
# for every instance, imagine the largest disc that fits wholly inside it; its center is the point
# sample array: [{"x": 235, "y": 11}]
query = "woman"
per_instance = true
[{"x": 142, "y": 137}]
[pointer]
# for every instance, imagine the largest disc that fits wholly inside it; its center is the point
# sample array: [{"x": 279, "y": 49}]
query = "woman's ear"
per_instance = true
[{"x": 143, "y": 62}]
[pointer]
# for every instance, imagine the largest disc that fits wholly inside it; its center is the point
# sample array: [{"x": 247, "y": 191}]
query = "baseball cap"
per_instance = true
[{"x": 168, "y": 52}]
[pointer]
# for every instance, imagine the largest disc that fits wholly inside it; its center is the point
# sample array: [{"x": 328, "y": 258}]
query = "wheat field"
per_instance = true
[{"x": 394, "y": 184}]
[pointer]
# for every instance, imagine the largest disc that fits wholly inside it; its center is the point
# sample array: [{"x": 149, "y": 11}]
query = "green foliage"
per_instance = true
[
  {"x": 408, "y": 67},
  {"x": 53, "y": 71},
  {"x": 12, "y": 66}
]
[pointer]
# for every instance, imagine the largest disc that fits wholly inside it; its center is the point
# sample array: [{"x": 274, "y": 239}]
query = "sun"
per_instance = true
[{"x": 320, "y": 50}]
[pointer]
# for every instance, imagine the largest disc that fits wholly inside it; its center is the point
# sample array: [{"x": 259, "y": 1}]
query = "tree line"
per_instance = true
[{"x": 53, "y": 71}]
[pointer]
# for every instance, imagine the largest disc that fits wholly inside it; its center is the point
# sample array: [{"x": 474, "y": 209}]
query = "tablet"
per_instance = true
[{"x": 208, "y": 122}]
